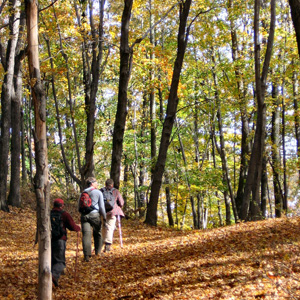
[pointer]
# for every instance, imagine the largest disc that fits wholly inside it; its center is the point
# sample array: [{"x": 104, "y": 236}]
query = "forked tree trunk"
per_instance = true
[
  {"x": 255, "y": 166},
  {"x": 41, "y": 182}
]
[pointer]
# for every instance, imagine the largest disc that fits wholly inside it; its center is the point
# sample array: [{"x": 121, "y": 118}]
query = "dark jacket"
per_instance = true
[{"x": 68, "y": 222}]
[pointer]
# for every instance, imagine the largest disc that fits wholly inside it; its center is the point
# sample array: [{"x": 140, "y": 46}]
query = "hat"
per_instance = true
[{"x": 58, "y": 202}]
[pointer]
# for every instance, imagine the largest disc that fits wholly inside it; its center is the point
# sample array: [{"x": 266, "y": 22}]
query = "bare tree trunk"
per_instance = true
[
  {"x": 264, "y": 187},
  {"x": 169, "y": 210},
  {"x": 275, "y": 150},
  {"x": 285, "y": 184},
  {"x": 125, "y": 69},
  {"x": 255, "y": 166},
  {"x": 295, "y": 9},
  {"x": 41, "y": 181},
  {"x": 297, "y": 118},
  {"x": 24, "y": 171},
  {"x": 151, "y": 216},
  {"x": 221, "y": 151},
  {"x": 152, "y": 94},
  {"x": 14, "y": 197},
  {"x": 245, "y": 145},
  {"x": 91, "y": 73},
  {"x": 6, "y": 98}
]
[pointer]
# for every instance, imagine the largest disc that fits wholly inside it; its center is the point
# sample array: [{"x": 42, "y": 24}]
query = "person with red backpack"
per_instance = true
[
  {"x": 91, "y": 207},
  {"x": 60, "y": 222},
  {"x": 113, "y": 202}
]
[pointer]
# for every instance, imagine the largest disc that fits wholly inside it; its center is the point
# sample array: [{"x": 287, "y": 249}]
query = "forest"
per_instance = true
[{"x": 190, "y": 106}]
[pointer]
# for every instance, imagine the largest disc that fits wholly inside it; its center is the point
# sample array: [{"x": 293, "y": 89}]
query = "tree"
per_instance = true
[
  {"x": 8, "y": 92},
  {"x": 41, "y": 182},
  {"x": 125, "y": 69},
  {"x": 182, "y": 39},
  {"x": 255, "y": 165},
  {"x": 14, "y": 197}
]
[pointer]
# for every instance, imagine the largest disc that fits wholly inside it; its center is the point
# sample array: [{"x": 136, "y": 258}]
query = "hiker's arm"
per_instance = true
[
  {"x": 70, "y": 224},
  {"x": 102, "y": 210},
  {"x": 120, "y": 200}
]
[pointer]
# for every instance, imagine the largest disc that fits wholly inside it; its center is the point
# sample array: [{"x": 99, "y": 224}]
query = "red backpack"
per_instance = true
[{"x": 85, "y": 203}]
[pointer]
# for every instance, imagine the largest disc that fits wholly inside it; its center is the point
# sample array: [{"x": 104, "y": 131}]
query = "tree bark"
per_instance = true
[
  {"x": 275, "y": 150},
  {"x": 14, "y": 197},
  {"x": 297, "y": 118},
  {"x": 245, "y": 145},
  {"x": 151, "y": 216},
  {"x": 41, "y": 182},
  {"x": 7, "y": 94},
  {"x": 295, "y": 12},
  {"x": 120, "y": 121},
  {"x": 169, "y": 210},
  {"x": 255, "y": 166}
]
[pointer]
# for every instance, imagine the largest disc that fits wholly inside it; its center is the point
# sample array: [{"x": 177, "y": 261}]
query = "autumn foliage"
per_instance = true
[{"x": 258, "y": 260}]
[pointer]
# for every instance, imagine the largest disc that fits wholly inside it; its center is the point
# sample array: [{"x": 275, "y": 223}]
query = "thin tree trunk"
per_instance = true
[
  {"x": 151, "y": 216},
  {"x": 245, "y": 145},
  {"x": 221, "y": 150},
  {"x": 255, "y": 166},
  {"x": 24, "y": 171},
  {"x": 169, "y": 210},
  {"x": 14, "y": 197},
  {"x": 152, "y": 94},
  {"x": 285, "y": 184},
  {"x": 264, "y": 187},
  {"x": 125, "y": 70},
  {"x": 7, "y": 94},
  {"x": 297, "y": 118},
  {"x": 41, "y": 183},
  {"x": 275, "y": 150}
]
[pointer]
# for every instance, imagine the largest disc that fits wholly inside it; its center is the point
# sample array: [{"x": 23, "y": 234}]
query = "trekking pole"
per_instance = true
[
  {"x": 120, "y": 231},
  {"x": 76, "y": 259}
]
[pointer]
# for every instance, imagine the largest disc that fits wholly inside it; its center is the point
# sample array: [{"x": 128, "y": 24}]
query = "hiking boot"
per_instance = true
[
  {"x": 87, "y": 258},
  {"x": 107, "y": 247},
  {"x": 54, "y": 280}
]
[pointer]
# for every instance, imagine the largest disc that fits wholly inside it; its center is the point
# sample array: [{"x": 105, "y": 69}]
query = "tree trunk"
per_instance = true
[
  {"x": 255, "y": 166},
  {"x": 297, "y": 118},
  {"x": 14, "y": 197},
  {"x": 152, "y": 94},
  {"x": 285, "y": 184},
  {"x": 169, "y": 210},
  {"x": 295, "y": 12},
  {"x": 245, "y": 145},
  {"x": 91, "y": 73},
  {"x": 275, "y": 150},
  {"x": 41, "y": 182},
  {"x": 151, "y": 216},
  {"x": 8, "y": 93},
  {"x": 24, "y": 171},
  {"x": 222, "y": 153},
  {"x": 264, "y": 188},
  {"x": 120, "y": 121}
]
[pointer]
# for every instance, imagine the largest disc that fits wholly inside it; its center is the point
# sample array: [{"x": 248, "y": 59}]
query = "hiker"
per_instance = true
[
  {"x": 90, "y": 219},
  {"x": 60, "y": 222},
  {"x": 113, "y": 202}
]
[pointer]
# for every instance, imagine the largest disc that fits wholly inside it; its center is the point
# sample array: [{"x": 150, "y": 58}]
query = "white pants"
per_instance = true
[{"x": 109, "y": 228}]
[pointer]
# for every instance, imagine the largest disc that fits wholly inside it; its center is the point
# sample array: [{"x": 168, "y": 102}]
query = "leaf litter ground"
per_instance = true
[{"x": 255, "y": 260}]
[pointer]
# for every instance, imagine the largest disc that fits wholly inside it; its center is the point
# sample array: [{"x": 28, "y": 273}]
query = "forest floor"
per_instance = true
[{"x": 255, "y": 260}]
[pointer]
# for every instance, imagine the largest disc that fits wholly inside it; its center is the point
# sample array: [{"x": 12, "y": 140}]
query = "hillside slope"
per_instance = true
[{"x": 258, "y": 260}]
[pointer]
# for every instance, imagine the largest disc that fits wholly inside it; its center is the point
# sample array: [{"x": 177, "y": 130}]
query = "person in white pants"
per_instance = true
[{"x": 112, "y": 195}]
